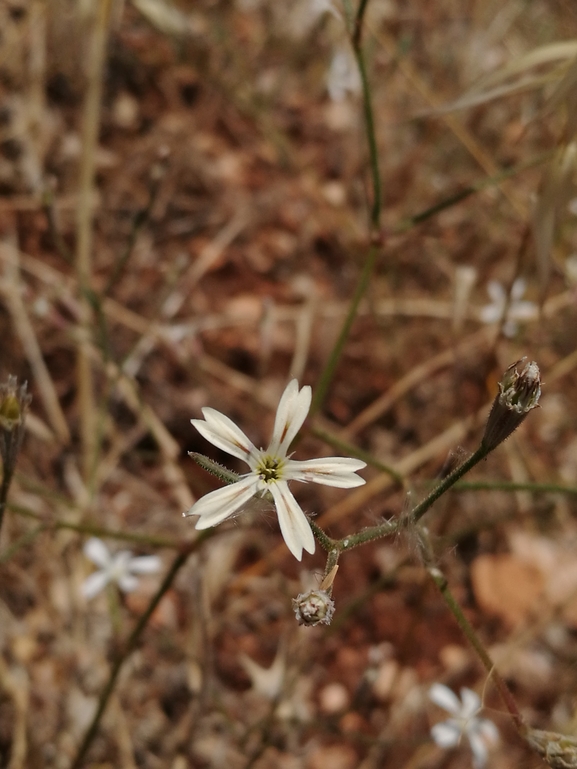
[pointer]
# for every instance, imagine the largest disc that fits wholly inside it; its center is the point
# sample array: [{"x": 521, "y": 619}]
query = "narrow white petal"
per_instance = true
[
  {"x": 523, "y": 311},
  {"x": 290, "y": 415},
  {"x": 446, "y": 734},
  {"x": 218, "y": 505},
  {"x": 510, "y": 328},
  {"x": 127, "y": 583},
  {"x": 496, "y": 292},
  {"x": 518, "y": 288},
  {"x": 97, "y": 552},
  {"x": 145, "y": 564},
  {"x": 93, "y": 584},
  {"x": 488, "y": 731},
  {"x": 479, "y": 750},
  {"x": 293, "y": 522},
  {"x": 221, "y": 431},
  {"x": 445, "y": 698},
  {"x": 491, "y": 313},
  {"x": 330, "y": 471},
  {"x": 471, "y": 703}
]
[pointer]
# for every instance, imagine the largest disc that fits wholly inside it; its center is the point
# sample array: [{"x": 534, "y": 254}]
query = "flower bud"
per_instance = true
[
  {"x": 14, "y": 402},
  {"x": 519, "y": 392},
  {"x": 314, "y": 608}
]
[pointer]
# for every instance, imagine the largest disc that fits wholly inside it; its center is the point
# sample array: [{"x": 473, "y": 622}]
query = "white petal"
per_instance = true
[
  {"x": 491, "y": 313},
  {"x": 496, "y": 292},
  {"x": 222, "y": 432},
  {"x": 97, "y": 552},
  {"x": 446, "y": 734},
  {"x": 471, "y": 703},
  {"x": 518, "y": 289},
  {"x": 445, "y": 698},
  {"x": 509, "y": 328},
  {"x": 290, "y": 415},
  {"x": 523, "y": 311},
  {"x": 293, "y": 522},
  {"x": 145, "y": 564},
  {"x": 93, "y": 584},
  {"x": 127, "y": 583},
  {"x": 218, "y": 505},
  {"x": 479, "y": 750},
  {"x": 488, "y": 731},
  {"x": 331, "y": 471}
]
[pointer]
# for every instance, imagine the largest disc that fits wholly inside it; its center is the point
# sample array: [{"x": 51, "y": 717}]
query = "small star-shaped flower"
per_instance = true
[
  {"x": 518, "y": 310},
  {"x": 481, "y": 732},
  {"x": 119, "y": 568}
]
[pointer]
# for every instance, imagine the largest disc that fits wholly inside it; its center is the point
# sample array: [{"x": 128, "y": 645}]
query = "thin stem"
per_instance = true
[
  {"x": 23, "y": 541},
  {"x": 375, "y": 216},
  {"x": 391, "y": 527},
  {"x": 441, "y": 583},
  {"x": 326, "y": 542},
  {"x": 98, "y": 531},
  {"x": 329, "y": 369},
  {"x": 6, "y": 480},
  {"x": 371, "y": 138},
  {"x": 129, "y": 647},
  {"x": 538, "y": 488},
  {"x": 419, "y": 510}
]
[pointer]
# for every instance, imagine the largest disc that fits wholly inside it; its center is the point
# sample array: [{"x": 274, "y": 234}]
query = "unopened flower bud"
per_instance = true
[
  {"x": 519, "y": 392},
  {"x": 315, "y": 607},
  {"x": 14, "y": 402}
]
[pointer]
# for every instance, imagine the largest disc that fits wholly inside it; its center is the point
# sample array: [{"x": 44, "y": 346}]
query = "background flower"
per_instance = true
[
  {"x": 119, "y": 568},
  {"x": 481, "y": 732},
  {"x": 517, "y": 311}
]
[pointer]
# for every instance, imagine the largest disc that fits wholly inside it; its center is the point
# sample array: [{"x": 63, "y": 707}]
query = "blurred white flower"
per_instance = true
[
  {"x": 481, "y": 732},
  {"x": 517, "y": 311},
  {"x": 319, "y": 7},
  {"x": 119, "y": 568},
  {"x": 343, "y": 75},
  {"x": 271, "y": 470}
]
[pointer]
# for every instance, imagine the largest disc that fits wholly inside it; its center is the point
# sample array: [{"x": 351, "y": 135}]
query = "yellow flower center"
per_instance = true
[{"x": 269, "y": 469}]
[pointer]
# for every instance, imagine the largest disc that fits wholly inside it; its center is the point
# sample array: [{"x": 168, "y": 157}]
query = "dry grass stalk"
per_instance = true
[
  {"x": 97, "y": 36},
  {"x": 11, "y": 287}
]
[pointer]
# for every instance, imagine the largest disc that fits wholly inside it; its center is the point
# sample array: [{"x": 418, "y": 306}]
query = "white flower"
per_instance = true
[
  {"x": 271, "y": 470},
  {"x": 118, "y": 567},
  {"x": 518, "y": 310},
  {"x": 480, "y": 732},
  {"x": 343, "y": 76}
]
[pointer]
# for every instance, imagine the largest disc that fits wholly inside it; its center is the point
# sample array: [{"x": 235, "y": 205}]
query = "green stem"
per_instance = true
[
  {"x": 538, "y": 488},
  {"x": 372, "y": 141},
  {"x": 419, "y": 510},
  {"x": 98, "y": 531},
  {"x": 326, "y": 542},
  {"x": 329, "y": 370},
  {"x": 23, "y": 541},
  {"x": 6, "y": 481},
  {"x": 375, "y": 216},
  {"x": 441, "y": 583}
]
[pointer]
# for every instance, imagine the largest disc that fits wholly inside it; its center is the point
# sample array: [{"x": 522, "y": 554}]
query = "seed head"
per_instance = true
[{"x": 315, "y": 607}]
